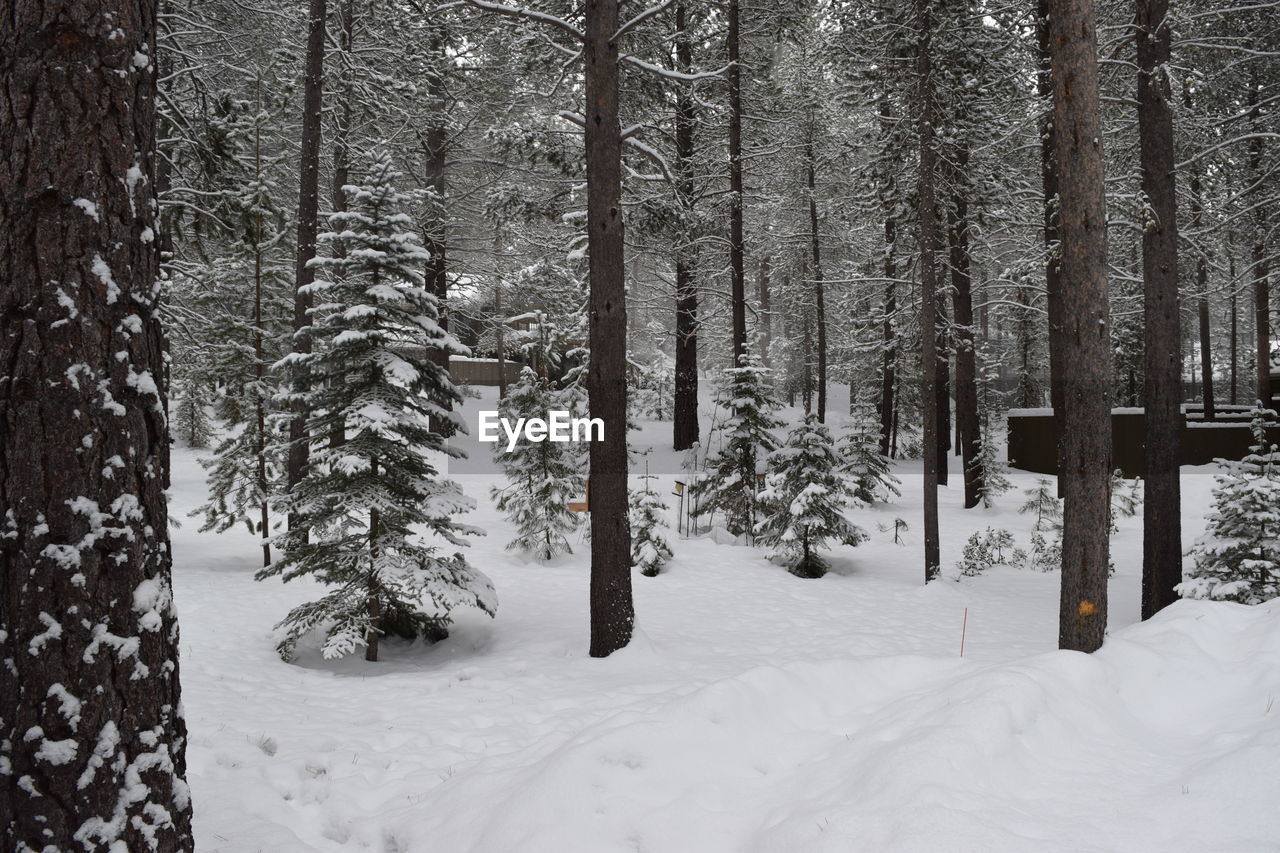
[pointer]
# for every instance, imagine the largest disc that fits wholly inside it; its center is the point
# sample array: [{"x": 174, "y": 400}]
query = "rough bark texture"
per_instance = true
[
  {"x": 968, "y": 435},
  {"x": 685, "y": 414},
  {"x": 612, "y": 611},
  {"x": 89, "y": 696},
  {"x": 737, "y": 262},
  {"x": 929, "y": 288},
  {"x": 1162, "y": 388},
  {"x": 1085, "y": 440},
  {"x": 308, "y": 216}
]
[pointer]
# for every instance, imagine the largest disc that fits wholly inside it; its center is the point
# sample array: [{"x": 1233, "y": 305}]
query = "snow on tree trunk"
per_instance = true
[{"x": 94, "y": 754}]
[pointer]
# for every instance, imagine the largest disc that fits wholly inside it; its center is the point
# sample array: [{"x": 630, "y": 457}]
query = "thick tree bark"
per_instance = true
[
  {"x": 968, "y": 435},
  {"x": 737, "y": 261},
  {"x": 1085, "y": 440},
  {"x": 612, "y": 611},
  {"x": 94, "y": 740},
  {"x": 819, "y": 290},
  {"x": 685, "y": 427},
  {"x": 308, "y": 222},
  {"x": 1162, "y": 389},
  {"x": 928, "y": 227}
]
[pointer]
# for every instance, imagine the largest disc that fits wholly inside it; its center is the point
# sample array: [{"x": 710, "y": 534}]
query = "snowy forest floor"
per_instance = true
[{"x": 753, "y": 711}]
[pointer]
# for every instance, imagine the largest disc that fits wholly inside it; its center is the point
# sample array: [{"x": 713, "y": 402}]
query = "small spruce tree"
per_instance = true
[
  {"x": 542, "y": 477},
  {"x": 1238, "y": 558},
  {"x": 804, "y": 501},
  {"x": 729, "y": 485},
  {"x": 649, "y": 547},
  {"x": 861, "y": 459},
  {"x": 368, "y": 499}
]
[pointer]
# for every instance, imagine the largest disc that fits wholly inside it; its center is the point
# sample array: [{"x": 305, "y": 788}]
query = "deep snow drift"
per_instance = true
[{"x": 753, "y": 712}]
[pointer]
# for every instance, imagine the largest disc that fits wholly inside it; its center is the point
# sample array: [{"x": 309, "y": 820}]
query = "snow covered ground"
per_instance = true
[{"x": 754, "y": 711}]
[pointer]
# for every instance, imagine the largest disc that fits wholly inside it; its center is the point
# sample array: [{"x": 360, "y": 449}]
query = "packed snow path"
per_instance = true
[{"x": 753, "y": 712}]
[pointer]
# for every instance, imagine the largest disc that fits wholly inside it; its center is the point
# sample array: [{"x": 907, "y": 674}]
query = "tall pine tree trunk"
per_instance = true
[
  {"x": 928, "y": 228},
  {"x": 1085, "y": 439},
  {"x": 1261, "y": 266},
  {"x": 94, "y": 739},
  {"x": 612, "y": 611},
  {"x": 968, "y": 435},
  {"x": 308, "y": 223},
  {"x": 259, "y": 362},
  {"x": 1053, "y": 250},
  {"x": 1162, "y": 389},
  {"x": 737, "y": 262},
  {"x": 766, "y": 313},
  {"x": 819, "y": 292},
  {"x": 435, "y": 233},
  {"x": 1202, "y": 282},
  {"x": 342, "y": 146},
  {"x": 685, "y": 406}
]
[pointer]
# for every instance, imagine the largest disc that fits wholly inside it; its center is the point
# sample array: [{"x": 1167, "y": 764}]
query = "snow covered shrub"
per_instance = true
[
  {"x": 366, "y": 501},
  {"x": 191, "y": 413},
  {"x": 987, "y": 548},
  {"x": 1238, "y": 558},
  {"x": 804, "y": 501},
  {"x": 729, "y": 484},
  {"x": 542, "y": 476},
  {"x": 861, "y": 459},
  {"x": 649, "y": 547},
  {"x": 1045, "y": 554}
]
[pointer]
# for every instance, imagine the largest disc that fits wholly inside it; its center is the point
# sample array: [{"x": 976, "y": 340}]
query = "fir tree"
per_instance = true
[
  {"x": 1238, "y": 558},
  {"x": 543, "y": 476},
  {"x": 861, "y": 459},
  {"x": 246, "y": 292},
  {"x": 367, "y": 498},
  {"x": 804, "y": 501},
  {"x": 191, "y": 412},
  {"x": 1044, "y": 502},
  {"x": 729, "y": 485},
  {"x": 649, "y": 547}
]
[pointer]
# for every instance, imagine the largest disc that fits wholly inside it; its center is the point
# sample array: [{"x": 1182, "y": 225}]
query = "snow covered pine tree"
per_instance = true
[
  {"x": 861, "y": 459},
  {"x": 729, "y": 485},
  {"x": 542, "y": 476},
  {"x": 1238, "y": 558},
  {"x": 649, "y": 548},
  {"x": 375, "y": 326},
  {"x": 804, "y": 499}
]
